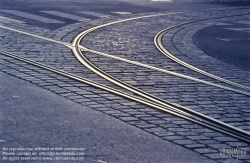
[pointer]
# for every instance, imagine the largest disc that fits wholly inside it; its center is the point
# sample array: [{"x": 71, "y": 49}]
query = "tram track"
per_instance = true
[
  {"x": 158, "y": 43},
  {"x": 141, "y": 96},
  {"x": 162, "y": 49},
  {"x": 84, "y": 49},
  {"x": 154, "y": 102}
]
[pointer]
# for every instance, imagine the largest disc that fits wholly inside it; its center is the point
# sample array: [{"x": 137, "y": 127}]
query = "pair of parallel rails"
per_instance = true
[{"x": 142, "y": 96}]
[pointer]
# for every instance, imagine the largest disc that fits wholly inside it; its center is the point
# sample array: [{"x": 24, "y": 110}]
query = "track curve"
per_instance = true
[
  {"x": 162, "y": 49},
  {"x": 156, "y": 102}
]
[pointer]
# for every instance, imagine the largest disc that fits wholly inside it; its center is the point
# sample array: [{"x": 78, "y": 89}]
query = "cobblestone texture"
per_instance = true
[{"x": 134, "y": 40}]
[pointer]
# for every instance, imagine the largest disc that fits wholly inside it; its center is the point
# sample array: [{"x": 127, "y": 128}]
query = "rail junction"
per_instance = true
[{"x": 143, "y": 69}]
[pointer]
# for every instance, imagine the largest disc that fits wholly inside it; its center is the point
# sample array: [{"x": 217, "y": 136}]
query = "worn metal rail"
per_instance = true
[
  {"x": 141, "y": 96},
  {"x": 150, "y": 101},
  {"x": 158, "y": 43},
  {"x": 156, "y": 102}
]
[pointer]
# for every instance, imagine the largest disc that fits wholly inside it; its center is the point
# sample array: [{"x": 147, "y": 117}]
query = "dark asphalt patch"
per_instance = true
[{"x": 228, "y": 43}]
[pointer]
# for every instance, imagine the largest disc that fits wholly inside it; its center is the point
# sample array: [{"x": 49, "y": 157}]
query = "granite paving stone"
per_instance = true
[{"x": 124, "y": 40}]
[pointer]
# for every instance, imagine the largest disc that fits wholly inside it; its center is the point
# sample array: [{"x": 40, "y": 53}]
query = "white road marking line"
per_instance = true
[
  {"x": 240, "y": 29},
  {"x": 66, "y": 15},
  {"x": 31, "y": 16},
  {"x": 228, "y": 39},
  {"x": 101, "y": 161},
  {"x": 13, "y": 20},
  {"x": 94, "y": 14},
  {"x": 224, "y": 39},
  {"x": 122, "y": 13},
  {"x": 223, "y": 24},
  {"x": 243, "y": 22}
]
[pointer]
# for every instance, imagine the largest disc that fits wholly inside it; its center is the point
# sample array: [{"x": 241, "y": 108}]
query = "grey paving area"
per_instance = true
[
  {"x": 134, "y": 40},
  {"x": 51, "y": 120}
]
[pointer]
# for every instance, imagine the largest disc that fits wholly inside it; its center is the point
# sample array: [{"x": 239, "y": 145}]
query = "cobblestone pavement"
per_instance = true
[{"x": 134, "y": 40}]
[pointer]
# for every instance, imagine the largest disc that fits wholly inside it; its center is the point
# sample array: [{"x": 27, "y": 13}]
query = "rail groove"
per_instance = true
[
  {"x": 156, "y": 102},
  {"x": 158, "y": 43},
  {"x": 84, "y": 49},
  {"x": 143, "y": 97},
  {"x": 162, "y": 49},
  {"x": 174, "y": 109}
]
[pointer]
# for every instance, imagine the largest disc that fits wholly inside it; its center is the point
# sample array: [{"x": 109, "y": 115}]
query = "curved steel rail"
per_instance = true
[
  {"x": 142, "y": 97},
  {"x": 204, "y": 121},
  {"x": 161, "y": 48},
  {"x": 161, "y": 104},
  {"x": 130, "y": 61},
  {"x": 164, "y": 71}
]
